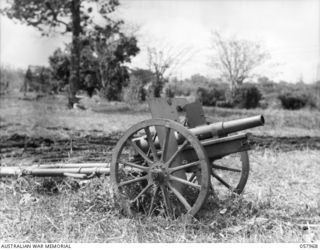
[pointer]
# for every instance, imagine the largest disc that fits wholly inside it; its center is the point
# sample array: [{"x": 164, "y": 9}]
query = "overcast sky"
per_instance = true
[{"x": 289, "y": 30}]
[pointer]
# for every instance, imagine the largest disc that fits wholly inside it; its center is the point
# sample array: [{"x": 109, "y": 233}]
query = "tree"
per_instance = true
[
  {"x": 60, "y": 67},
  {"x": 65, "y": 15},
  {"x": 112, "y": 49},
  {"x": 136, "y": 90},
  {"x": 104, "y": 51},
  {"x": 27, "y": 80},
  {"x": 236, "y": 59},
  {"x": 163, "y": 62}
]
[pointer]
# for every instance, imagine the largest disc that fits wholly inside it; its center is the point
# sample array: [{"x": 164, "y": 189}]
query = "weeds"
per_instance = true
[
  {"x": 49, "y": 118},
  {"x": 279, "y": 202}
]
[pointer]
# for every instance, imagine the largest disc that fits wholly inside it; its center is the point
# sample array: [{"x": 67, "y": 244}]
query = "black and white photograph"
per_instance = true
[{"x": 159, "y": 121}]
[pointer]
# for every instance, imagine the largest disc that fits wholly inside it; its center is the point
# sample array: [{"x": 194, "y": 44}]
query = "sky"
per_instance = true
[{"x": 288, "y": 29}]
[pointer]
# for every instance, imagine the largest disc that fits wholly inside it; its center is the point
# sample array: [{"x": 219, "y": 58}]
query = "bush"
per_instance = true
[
  {"x": 181, "y": 90},
  {"x": 295, "y": 100},
  {"x": 263, "y": 104},
  {"x": 247, "y": 96},
  {"x": 210, "y": 97},
  {"x": 169, "y": 91}
]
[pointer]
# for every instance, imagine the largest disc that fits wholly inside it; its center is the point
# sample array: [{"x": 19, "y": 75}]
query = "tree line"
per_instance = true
[
  {"x": 96, "y": 59},
  {"x": 98, "y": 49}
]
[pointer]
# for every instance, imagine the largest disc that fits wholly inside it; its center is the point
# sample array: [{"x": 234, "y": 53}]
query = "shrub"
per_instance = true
[
  {"x": 210, "y": 97},
  {"x": 263, "y": 104},
  {"x": 169, "y": 91},
  {"x": 247, "y": 96},
  {"x": 295, "y": 100}
]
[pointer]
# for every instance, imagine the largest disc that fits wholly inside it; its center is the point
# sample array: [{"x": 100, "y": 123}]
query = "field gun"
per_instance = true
[
  {"x": 171, "y": 163},
  {"x": 177, "y": 161}
]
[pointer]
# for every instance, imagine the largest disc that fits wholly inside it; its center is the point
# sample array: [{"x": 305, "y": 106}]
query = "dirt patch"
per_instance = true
[
  {"x": 17, "y": 148},
  {"x": 93, "y": 148}
]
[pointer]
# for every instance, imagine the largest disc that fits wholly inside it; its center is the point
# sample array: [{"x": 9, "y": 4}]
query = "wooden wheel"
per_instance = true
[
  {"x": 151, "y": 177},
  {"x": 229, "y": 174}
]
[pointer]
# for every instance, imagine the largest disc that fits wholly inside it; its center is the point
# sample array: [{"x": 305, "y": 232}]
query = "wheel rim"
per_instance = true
[
  {"x": 229, "y": 175},
  {"x": 145, "y": 176}
]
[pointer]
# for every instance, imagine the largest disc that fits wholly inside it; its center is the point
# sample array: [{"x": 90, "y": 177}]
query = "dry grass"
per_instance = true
[
  {"x": 48, "y": 117},
  {"x": 278, "y": 122},
  {"x": 281, "y": 203}
]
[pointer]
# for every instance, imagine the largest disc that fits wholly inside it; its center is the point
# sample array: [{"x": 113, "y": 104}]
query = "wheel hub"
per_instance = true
[{"x": 158, "y": 173}]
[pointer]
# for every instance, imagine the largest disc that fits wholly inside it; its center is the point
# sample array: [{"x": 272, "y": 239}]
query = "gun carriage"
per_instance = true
[{"x": 171, "y": 163}]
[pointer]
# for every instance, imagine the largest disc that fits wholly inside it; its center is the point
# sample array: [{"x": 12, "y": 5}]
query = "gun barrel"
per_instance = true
[
  {"x": 210, "y": 130},
  {"x": 224, "y": 128},
  {"x": 242, "y": 124}
]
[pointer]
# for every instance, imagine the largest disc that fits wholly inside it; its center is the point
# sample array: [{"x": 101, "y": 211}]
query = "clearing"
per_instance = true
[{"x": 281, "y": 202}]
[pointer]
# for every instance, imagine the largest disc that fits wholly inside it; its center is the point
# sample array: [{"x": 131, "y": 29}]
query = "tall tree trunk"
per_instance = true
[{"x": 74, "y": 79}]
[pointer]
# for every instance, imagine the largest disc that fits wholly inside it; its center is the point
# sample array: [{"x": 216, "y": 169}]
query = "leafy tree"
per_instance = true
[
  {"x": 236, "y": 59},
  {"x": 102, "y": 61},
  {"x": 74, "y": 16},
  {"x": 112, "y": 49},
  {"x": 60, "y": 66}
]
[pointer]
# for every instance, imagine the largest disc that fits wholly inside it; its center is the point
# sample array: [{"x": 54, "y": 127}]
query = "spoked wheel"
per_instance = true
[
  {"x": 149, "y": 174},
  {"x": 229, "y": 174}
]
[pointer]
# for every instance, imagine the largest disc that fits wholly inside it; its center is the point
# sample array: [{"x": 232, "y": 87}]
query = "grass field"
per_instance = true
[
  {"x": 281, "y": 201},
  {"x": 49, "y": 117}
]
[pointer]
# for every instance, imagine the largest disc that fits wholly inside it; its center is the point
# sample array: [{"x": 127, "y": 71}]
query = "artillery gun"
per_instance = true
[{"x": 170, "y": 163}]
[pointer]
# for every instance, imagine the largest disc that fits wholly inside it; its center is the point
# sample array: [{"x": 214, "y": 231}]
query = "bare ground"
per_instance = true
[{"x": 22, "y": 149}]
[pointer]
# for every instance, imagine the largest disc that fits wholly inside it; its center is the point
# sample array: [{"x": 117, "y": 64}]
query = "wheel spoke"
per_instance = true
[
  {"x": 140, "y": 152},
  {"x": 152, "y": 200},
  {"x": 165, "y": 144},
  {"x": 174, "y": 178},
  {"x": 222, "y": 181},
  {"x": 146, "y": 170},
  {"x": 151, "y": 144},
  {"x": 185, "y": 143},
  {"x": 134, "y": 165},
  {"x": 215, "y": 166},
  {"x": 166, "y": 199},
  {"x": 180, "y": 197},
  {"x": 188, "y": 165},
  {"x": 142, "y": 192},
  {"x": 133, "y": 180}
]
